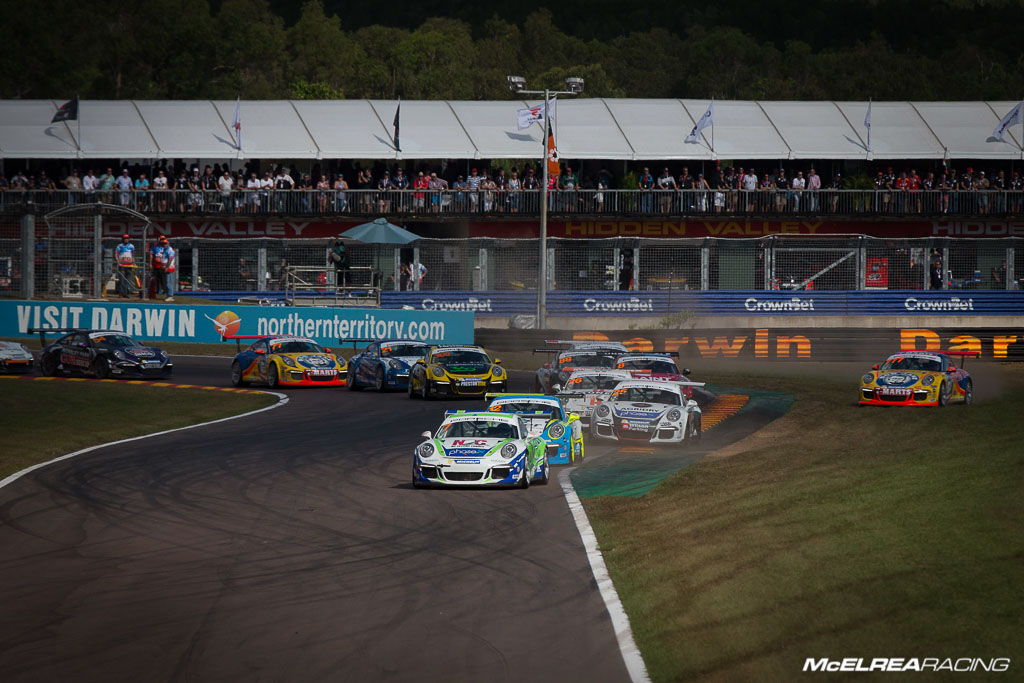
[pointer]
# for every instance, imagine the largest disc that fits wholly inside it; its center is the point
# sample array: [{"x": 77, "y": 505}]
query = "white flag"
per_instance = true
[
  {"x": 535, "y": 114},
  {"x": 1012, "y": 118},
  {"x": 236, "y": 125},
  {"x": 708, "y": 119},
  {"x": 867, "y": 124}
]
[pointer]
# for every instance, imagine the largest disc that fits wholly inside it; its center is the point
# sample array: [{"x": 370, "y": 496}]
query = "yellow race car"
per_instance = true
[
  {"x": 456, "y": 371},
  {"x": 918, "y": 378},
  {"x": 287, "y": 361}
]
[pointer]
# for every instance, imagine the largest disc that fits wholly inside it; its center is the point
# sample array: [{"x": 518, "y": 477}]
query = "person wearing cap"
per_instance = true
[
  {"x": 473, "y": 182},
  {"x": 170, "y": 269},
  {"x": 158, "y": 265},
  {"x": 124, "y": 254}
]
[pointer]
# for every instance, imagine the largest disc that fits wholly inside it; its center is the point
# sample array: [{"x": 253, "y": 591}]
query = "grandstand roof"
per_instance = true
[{"x": 588, "y": 128}]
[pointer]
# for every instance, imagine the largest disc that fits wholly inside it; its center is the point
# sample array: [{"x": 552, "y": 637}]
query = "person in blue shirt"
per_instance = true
[
  {"x": 124, "y": 254},
  {"x": 158, "y": 264},
  {"x": 170, "y": 268}
]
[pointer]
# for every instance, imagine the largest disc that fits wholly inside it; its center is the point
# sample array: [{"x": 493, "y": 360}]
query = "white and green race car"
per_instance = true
[{"x": 480, "y": 449}]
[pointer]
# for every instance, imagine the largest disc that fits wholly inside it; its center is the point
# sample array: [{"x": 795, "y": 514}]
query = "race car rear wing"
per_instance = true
[
  {"x": 964, "y": 355},
  {"x": 667, "y": 354},
  {"x": 500, "y": 394},
  {"x": 237, "y": 338},
  {"x": 41, "y": 331}
]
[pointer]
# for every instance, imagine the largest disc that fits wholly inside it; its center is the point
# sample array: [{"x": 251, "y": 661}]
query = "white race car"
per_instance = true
[
  {"x": 649, "y": 411},
  {"x": 480, "y": 449},
  {"x": 585, "y": 389},
  {"x": 14, "y": 357}
]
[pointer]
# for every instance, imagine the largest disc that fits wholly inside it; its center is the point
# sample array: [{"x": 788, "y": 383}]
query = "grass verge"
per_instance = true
[
  {"x": 43, "y": 420},
  {"x": 839, "y": 532}
]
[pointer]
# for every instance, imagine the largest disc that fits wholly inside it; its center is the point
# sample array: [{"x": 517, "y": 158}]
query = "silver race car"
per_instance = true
[{"x": 649, "y": 411}]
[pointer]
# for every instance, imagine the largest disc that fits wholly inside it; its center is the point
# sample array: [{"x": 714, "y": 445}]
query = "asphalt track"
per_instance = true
[{"x": 290, "y": 546}]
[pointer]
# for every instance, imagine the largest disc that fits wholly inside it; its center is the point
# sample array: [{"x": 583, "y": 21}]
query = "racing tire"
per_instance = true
[
  {"x": 273, "y": 379},
  {"x": 416, "y": 484},
  {"x": 100, "y": 368},
  {"x": 378, "y": 381},
  {"x": 351, "y": 384},
  {"x": 236, "y": 375},
  {"x": 969, "y": 393},
  {"x": 693, "y": 430},
  {"x": 524, "y": 481},
  {"x": 943, "y": 396},
  {"x": 50, "y": 366},
  {"x": 542, "y": 481}
]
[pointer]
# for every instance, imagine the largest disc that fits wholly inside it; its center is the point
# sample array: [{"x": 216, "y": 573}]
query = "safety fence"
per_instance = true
[{"x": 460, "y": 203}]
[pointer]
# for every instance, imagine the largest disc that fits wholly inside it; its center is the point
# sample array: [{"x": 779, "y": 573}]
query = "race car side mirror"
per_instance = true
[
  {"x": 556, "y": 388},
  {"x": 874, "y": 367},
  {"x": 951, "y": 369},
  {"x": 421, "y": 362},
  {"x": 686, "y": 372},
  {"x": 497, "y": 361},
  {"x": 426, "y": 435},
  {"x": 327, "y": 350},
  {"x": 259, "y": 350}
]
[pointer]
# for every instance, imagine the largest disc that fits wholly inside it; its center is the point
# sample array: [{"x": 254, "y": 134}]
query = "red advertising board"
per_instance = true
[{"x": 877, "y": 276}]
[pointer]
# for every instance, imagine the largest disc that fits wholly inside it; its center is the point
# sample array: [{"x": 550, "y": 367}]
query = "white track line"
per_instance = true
[
  {"x": 620, "y": 622},
  {"x": 282, "y": 399}
]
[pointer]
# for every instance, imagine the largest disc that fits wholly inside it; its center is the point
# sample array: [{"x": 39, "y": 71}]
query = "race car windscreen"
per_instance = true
[
  {"x": 479, "y": 429},
  {"x": 403, "y": 350},
  {"x": 526, "y": 407},
  {"x": 463, "y": 357},
  {"x": 913, "y": 363},
  {"x": 592, "y": 383},
  {"x": 587, "y": 360},
  {"x": 654, "y": 366},
  {"x": 296, "y": 347},
  {"x": 646, "y": 395},
  {"x": 118, "y": 341}
]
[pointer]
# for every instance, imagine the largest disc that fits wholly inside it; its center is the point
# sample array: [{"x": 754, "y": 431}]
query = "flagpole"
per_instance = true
[
  {"x": 542, "y": 286},
  {"x": 78, "y": 118},
  {"x": 713, "y": 153}
]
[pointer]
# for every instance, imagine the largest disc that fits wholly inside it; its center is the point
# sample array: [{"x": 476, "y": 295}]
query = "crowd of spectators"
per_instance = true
[{"x": 176, "y": 188}]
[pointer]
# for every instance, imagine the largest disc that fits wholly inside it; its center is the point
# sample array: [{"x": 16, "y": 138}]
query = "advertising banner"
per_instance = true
[
  {"x": 869, "y": 345},
  {"x": 751, "y": 302},
  {"x": 205, "y": 323}
]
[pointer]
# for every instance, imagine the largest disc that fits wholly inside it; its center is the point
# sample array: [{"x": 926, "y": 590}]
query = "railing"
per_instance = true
[
  {"x": 526, "y": 203},
  {"x": 318, "y": 286}
]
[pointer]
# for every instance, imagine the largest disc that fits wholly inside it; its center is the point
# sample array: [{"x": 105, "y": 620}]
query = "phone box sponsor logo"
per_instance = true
[
  {"x": 946, "y": 305},
  {"x": 907, "y": 664},
  {"x": 470, "y": 304},
  {"x": 179, "y": 322},
  {"x": 632, "y": 305},
  {"x": 794, "y": 304}
]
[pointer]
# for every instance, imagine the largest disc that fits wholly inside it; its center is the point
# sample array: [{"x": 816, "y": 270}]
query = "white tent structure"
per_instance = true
[{"x": 587, "y": 128}]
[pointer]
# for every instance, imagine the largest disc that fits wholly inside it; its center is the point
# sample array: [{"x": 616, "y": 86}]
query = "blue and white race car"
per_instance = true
[
  {"x": 480, "y": 449},
  {"x": 651, "y": 411},
  {"x": 384, "y": 365},
  {"x": 546, "y": 417}
]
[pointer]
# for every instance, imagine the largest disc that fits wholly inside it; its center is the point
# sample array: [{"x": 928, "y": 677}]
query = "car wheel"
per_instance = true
[
  {"x": 378, "y": 380},
  {"x": 524, "y": 481},
  {"x": 273, "y": 379},
  {"x": 943, "y": 396},
  {"x": 236, "y": 375},
  {"x": 101, "y": 368},
  {"x": 50, "y": 366},
  {"x": 351, "y": 383},
  {"x": 969, "y": 393},
  {"x": 416, "y": 484},
  {"x": 546, "y": 477},
  {"x": 694, "y": 429}
]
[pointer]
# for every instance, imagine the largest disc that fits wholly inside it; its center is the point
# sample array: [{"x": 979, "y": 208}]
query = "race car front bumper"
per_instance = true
[
  {"x": 659, "y": 433},
  {"x": 124, "y": 368},
  {"x": 302, "y": 378},
  {"x": 916, "y": 397},
  {"x": 459, "y": 389},
  {"x": 484, "y": 473},
  {"x": 15, "y": 366}
]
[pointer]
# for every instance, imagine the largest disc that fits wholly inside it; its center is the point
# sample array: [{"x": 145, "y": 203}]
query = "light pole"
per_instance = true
[{"x": 517, "y": 84}]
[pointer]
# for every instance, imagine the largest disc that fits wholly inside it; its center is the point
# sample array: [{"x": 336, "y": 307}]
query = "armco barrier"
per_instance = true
[
  {"x": 205, "y": 323},
  {"x": 719, "y": 303},
  {"x": 772, "y": 344}
]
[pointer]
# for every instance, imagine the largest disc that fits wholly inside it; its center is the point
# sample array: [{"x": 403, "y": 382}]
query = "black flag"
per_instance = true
[
  {"x": 66, "y": 112},
  {"x": 398, "y": 111}
]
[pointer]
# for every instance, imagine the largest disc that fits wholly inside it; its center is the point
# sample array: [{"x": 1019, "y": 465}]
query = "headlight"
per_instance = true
[
  {"x": 556, "y": 431},
  {"x": 425, "y": 450},
  {"x": 394, "y": 364},
  {"x": 287, "y": 360},
  {"x": 498, "y": 372},
  {"x": 674, "y": 415},
  {"x": 928, "y": 380},
  {"x": 868, "y": 378},
  {"x": 437, "y": 372},
  {"x": 509, "y": 450},
  {"x": 602, "y": 410}
]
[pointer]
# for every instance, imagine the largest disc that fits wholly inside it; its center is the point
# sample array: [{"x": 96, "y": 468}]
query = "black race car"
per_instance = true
[{"x": 102, "y": 354}]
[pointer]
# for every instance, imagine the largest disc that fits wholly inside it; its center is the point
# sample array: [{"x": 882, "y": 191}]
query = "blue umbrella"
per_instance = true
[{"x": 379, "y": 231}]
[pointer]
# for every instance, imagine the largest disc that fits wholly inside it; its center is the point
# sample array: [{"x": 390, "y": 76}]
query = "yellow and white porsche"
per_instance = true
[{"x": 287, "y": 361}]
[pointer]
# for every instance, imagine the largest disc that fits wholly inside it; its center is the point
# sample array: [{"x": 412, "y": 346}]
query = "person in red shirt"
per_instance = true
[
  {"x": 902, "y": 185},
  {"x": 915, "y": 186},
  {"x": 422, "y": 182}
]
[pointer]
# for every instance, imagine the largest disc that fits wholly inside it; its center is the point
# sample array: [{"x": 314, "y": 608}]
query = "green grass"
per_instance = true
[
  {"x": 840, "y": 532},
  {"x": 43, "y": 420}
]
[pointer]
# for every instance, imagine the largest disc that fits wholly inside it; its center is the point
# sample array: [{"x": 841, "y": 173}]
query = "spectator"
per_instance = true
[
  {"x": 748, "y": 183},
  {"x": 90, "y": 183},
  {"x": 107, "y": 182},
  {"x": 124, "y": 186},
  {"x": 160, "y": 191},
  {"x": 384, "y": 187},
  {"x": 246, "y": 280},
  {"x": 685, "y": 184},
  {"x": 283, "y": 185},
  {"x": 700, "y": 188},
  {"x": 835, "y": 185},
  {"x": 813, "y": 188},
  {"x": 364, "y": 183},
  {"x": 124, "y": 255},
  {"x": 935, "y": 274},
  {"x": 419, "y": 198},
  {"x": 305, "y": 188},
  {"x": 439, "y": 197},
  {"x": 473, "y": 183},
  {"x": 267, "y": 191},
  {"x": 252, "y": 189},
  {"x": 783, "y": 193},
  {"x": 142, "y": 191},
  {"x": 340, "y": 193},
  {"x": 158, "y": 268},
  {"x": 666, "y": 184},
  {"x": 646, "y": 184},
  {"x": 226, "y": 184},
  {"x": 196, "y": 201},
  {"x": 74, "y": 186},
  {"x": 999, "y": 276},
  {"x": 405, "y": 275},
  {"x": 982, "y": 187},
  {"x": 460, "y": 185},
  {"x": 340, "y": 259},
  {"x": 799, "y": 185}
]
